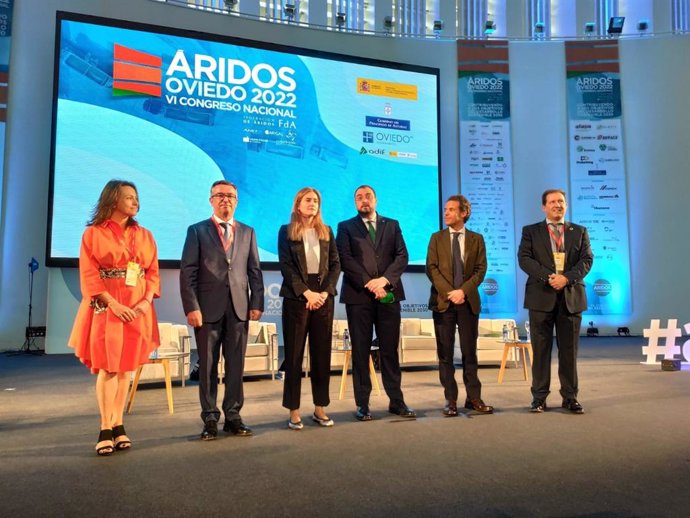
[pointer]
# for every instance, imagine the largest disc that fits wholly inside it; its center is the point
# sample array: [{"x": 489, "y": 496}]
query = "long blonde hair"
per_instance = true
[
  {"x": 107, "y": 202},
  {"x": 296, "y": 228}
]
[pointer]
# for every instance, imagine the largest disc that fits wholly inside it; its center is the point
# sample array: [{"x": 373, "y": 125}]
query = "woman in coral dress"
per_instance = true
[{"x": 115, "y": 329}]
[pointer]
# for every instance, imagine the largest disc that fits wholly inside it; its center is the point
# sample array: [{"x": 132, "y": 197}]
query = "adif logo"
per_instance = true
[{"x": 136, "y": 72}]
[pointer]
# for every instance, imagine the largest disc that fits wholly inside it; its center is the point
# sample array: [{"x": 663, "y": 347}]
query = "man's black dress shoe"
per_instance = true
[
  {"x": 451, "y": 408},
  {"x": 210, "y": 431},
  {"x": 402, "y": 410},
  {"x": 479, "y": 406},
  {"x": 237, "y": 427},
  {"x": 538, "y": 406},
  {"x": 362, "y": 413},
  {"x": 572, "y": 405}
]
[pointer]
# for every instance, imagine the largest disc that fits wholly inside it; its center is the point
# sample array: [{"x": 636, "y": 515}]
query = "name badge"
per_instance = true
[
  {"x": 559, "y": 259},
  {"x": 132, "y": 273}
]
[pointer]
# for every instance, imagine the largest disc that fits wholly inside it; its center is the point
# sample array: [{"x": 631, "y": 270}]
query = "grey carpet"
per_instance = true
[{"x": 629, "y": 455}]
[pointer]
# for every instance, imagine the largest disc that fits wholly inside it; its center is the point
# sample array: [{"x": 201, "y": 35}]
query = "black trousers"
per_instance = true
[
  {"x": 567, "y": 327},
  {"x": 298, "y": 323},
  {"x": 362, "y": 319},
  {"x": 229, "y": 334},
  {"x": 458, "y": 317}
]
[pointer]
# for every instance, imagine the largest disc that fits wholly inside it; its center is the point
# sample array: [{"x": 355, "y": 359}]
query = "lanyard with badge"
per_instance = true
[
  {"x": 133, "y": 268},
  {"x": 558, "y": 256}
]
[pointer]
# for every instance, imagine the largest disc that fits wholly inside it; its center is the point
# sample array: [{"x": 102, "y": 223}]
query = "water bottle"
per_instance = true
[
  {"x": 346, "y": 340},
  {"x": 505, "y": 332},
  {"x": 529, "y": 338}
]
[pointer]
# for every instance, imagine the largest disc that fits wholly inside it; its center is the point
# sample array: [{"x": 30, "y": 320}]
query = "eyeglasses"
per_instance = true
[{"x": 224, "y": 196}]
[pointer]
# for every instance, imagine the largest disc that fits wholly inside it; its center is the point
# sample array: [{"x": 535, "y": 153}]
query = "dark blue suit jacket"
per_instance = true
[
  {"x": 361, "y": 260},
  {"x": 535, "y": 257},
  {"x": 209, "y": 281}
]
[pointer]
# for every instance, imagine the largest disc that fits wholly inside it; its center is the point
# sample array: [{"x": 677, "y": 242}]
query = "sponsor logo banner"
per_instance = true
[{"x": 598, "y": 196}]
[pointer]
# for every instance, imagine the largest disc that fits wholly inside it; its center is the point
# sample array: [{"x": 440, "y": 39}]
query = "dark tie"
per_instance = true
[
  {"x": 372, "y": 231},
  {"x": 226, "y": 232},
  {"x": 458, "y": 267},
  {"x": 558, "y": 242}
]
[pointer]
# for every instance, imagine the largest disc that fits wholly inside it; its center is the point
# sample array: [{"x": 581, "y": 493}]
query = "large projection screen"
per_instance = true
[{"x": 174, "y": 111}]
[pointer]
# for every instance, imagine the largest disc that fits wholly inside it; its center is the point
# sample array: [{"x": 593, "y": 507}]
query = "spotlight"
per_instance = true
[
  {"x": 589, "y": 29},
  {"x": 230, "y": 4},
  {"x": 642, "y": 26},
  {"x": 438, "y": 27},
  {"x": 539, "y": 28},
  {"x": 289, "y": 10},
  {"x": 489, "y": 27},
  {"x": 591, "y": 330},
  {"x": 388, "y": 24},
  {"x": 616, "y": 24},
  {"x": 340, "y": 19},
  {"x": 623, "y": 331}
]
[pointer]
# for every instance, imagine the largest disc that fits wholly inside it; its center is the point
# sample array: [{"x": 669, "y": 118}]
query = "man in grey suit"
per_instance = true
[
  {"x": 222, "y": 288},
  {"x": 373, "y": 257},
  {"x": 556, "y": 255}
]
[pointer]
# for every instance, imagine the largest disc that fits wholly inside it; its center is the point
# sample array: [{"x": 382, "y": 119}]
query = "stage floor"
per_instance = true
[{"x": 628, "y": 455}]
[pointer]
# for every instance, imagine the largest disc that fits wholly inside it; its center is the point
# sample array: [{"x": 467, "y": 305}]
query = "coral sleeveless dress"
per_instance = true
[{"x": 100, "y": 339}]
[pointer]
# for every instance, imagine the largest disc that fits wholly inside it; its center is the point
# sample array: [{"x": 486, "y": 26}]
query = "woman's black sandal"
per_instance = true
[
  {"x": 104, "y": 450},
  {"x": 123, "y": 444}
]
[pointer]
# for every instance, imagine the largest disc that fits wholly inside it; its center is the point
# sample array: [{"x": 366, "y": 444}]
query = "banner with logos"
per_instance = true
[
  {"x": 486, "y": 174},
  {"x": 598, "y": 196},
  {"x": 5, "y": 39}
]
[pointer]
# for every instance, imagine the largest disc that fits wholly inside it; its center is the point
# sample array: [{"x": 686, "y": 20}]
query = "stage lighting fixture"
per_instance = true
[
  {"x": 438, "y": 27},
  {"x": 616, "y": 24},
  {"x": 642, "y": 26},
  {"x": 289, "y": 10},
  {"x": 388, "y": 24},
  {"x": 230, "y": 4},
  {"x": 591, "y": 330},
  {"x": 340, "y": 19},
  {"x": 539, "y": 29},
  {"x": 489, "y": 27}
]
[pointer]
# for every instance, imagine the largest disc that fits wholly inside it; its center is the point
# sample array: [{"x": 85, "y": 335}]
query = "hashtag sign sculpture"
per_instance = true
[{"x": 669, "y": 350}]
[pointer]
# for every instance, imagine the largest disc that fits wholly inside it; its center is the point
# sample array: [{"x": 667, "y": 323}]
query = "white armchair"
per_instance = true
[
  {"x": 489, "y": 346},
  {"x": 417, "y": 341},
  {"x": 261, "y": 356},
  {"x": 174, "y": 339}
]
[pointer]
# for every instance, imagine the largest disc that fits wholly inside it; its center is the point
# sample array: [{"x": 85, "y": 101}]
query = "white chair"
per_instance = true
[
  {"x": 170, "y": 360},
  {"x": 261, "y": 356},
  {"x": 417, "y": 341}
]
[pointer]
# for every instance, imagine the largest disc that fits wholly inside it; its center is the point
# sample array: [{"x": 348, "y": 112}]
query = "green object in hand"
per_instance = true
[{"x": 389, "y": 298}]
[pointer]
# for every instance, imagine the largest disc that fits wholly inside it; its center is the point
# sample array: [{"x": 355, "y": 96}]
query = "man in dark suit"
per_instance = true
[
  {"x": 373, "y": 256},
  {"x": 456, "y": 265},
  {"x": 222, "y": 288},
  {"x": 556, "y": 255}
]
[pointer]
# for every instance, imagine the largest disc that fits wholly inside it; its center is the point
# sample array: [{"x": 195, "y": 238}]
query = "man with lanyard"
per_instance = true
[
  {"x": 556, "y": 255},
  {"x": 222, "y": 288}
]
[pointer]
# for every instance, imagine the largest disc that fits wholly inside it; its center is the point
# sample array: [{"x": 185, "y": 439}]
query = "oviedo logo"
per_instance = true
[
  {"x": 490, "y": 286},
  {"x": 136, "y": 72}
]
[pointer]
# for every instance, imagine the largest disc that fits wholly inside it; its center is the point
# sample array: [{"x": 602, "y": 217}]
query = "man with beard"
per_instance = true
[{"x": 373, "y": 256}]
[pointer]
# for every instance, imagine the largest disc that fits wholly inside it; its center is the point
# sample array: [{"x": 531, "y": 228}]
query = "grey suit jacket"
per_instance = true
[
  {"x": 439, "y": 269},
  {"x": 535, "y": 257},
  {"x": 362, "y": 260},
  {"x": 209, "y": 281},
  {"x": 293, "y": 265}
]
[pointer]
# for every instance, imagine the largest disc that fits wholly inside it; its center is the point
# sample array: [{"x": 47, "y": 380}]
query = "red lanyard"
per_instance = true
[
  {"x": 221, "y": 233},
  {"x": 557, "y": 241}
]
